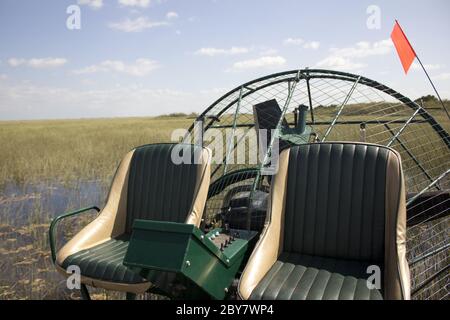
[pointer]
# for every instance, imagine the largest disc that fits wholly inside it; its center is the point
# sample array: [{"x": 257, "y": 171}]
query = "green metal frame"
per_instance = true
[
  {"x": 291, "y": 89},
  {"x": 229, "y": 149},
  {"x": 54, "y": 223},
  {"x": 307, "y": 74},
  {"x": 344, "y": 103},
  {"x": 185, "y": 250},
  {"x": 230, "y": 178}
]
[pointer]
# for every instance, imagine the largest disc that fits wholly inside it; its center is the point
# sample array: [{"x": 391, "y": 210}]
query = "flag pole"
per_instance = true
[
  {"x": 426, "y": 73},
  {"x": 434, "y": 88}
]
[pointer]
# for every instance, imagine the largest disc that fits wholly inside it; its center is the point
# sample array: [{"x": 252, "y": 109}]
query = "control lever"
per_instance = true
[{"x": 226, "y": 229}]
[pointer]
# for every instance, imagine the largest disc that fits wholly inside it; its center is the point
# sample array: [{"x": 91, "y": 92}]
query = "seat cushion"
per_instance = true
[
  {"x": 304, "y": 277},
  {"x": 335, "y": 201},
  {"x": 105, "y": 262},
  {"x": 160, "y": 189}
]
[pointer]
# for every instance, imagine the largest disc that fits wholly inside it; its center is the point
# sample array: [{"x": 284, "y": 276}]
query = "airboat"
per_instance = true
[{"x": 349, "y": 184}]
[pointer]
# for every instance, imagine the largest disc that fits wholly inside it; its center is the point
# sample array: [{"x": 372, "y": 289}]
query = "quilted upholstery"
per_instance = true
[
  {"x": 158, "y": 189},
  {"x": 147, "y": 185},
  {"x": 336, "y": 208},
  {"x": 304, "y": 277},
  {"x": 335, "y": 202},
  {"x": 104, "y": 261}
]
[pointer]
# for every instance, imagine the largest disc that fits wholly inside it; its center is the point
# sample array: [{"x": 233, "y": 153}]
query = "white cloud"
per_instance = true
[
  {"x": 3, "y": 76},
  {"x": 47, "y": 62},
  {"x": 442, "y": 76},
  {"x": 293, "y": 41},
  {"x": 141, "y": 67},
  {"x": 211, "y": 52},
  {"x": 262, "y": 62},
  {"x": 300, "y": 42},
  {"x": 37, "y": 62},
  {"x": 30, "y": 101},
  {"x": 364, "y": 49},
  {"x": 346, "y": 58},
  {"x": 171, "y": 15},
  {"x": 94, "y": 4},
  {"x": 136, "y": 25},
  {"x": 312, "y": 45},
  {"x": 135, "y": 3},
  {"x": 15, "y": 62},
  {"x": 339, "y": 63},
  {"x": 416, "y": 66},
  {"x": 268, "y": 52}
]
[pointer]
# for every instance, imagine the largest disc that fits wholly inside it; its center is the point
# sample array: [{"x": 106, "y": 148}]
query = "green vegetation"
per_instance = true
[
  {"x": 191, "y": 115},
  {"x": 51, "y": 153},
  {"x": 66, "y": 150}
]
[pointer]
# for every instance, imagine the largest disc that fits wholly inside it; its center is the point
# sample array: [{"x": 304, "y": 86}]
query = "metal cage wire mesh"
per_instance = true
[{"x": 344, "y": 107}]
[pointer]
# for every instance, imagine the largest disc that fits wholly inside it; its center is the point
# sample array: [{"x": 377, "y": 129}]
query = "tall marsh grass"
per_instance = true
[
  {"x": 64, "y": 150},
  {"x": 50, "y": 167}
]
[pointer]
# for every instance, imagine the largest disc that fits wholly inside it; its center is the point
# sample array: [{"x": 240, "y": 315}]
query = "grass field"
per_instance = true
[
  {"x": 50, "y": 167},
  {"x": 70, "y": 149}
]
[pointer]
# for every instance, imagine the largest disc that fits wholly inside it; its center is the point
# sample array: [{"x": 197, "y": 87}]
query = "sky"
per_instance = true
[{"x": 152, "y": 57}]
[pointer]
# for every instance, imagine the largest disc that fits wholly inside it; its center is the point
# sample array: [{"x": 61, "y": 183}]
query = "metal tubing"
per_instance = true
[
  {"x": 347, "y": 98},
  {"x": 329, "y": 74},
  {"x": 55, "y": 221},
  {"x": 291, "y": 88},
  {"x": 236, "y": 113},
  {"x": 322, "y": 123},
  {"x": 301, "y": 124},
  {"x": 410, "y": 154},
  {"x": 424, "y": 283},
  {"x": 428, "y": 187},
  {"x": 399, "y": 132},
  {"x": 310, "y": 100},
  {"x": 429, "y": 254}
]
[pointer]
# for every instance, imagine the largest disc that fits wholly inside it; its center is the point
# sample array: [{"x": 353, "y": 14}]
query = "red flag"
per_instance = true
[{"x": 404, "y": 49}]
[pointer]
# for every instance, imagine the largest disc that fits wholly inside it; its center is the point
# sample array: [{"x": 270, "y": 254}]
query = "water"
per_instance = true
[
  {"x": 25, "y": 211},
  {"x": 20, "y": 204}
]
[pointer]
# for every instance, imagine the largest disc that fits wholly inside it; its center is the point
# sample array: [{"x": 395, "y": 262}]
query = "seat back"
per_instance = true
[
  {"x": 165, "y": 182},
  {"x": 160, "y": 189},
  {"x": 340, "y": 202},
  {"x": 336, "y": 201}
]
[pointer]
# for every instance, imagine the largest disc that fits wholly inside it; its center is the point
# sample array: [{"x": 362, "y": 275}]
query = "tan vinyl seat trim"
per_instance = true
[
  {"x": 108, "y": 285},
  {"x": 270, "y": 243},
  {"x": 111, "y": 221},
  {"x": 396, "y": 274},
  {"x": 201, "y": 189},
  {"x": 397, "y": 284}
]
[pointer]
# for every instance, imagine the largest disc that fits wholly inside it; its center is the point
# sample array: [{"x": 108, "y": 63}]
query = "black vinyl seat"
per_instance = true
[
  {"x": 147, "y": 185},
  {"x": 305, "y": 277},
  {"x": 104, "y": 261},
  {"x": 334, "y": 210}
]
